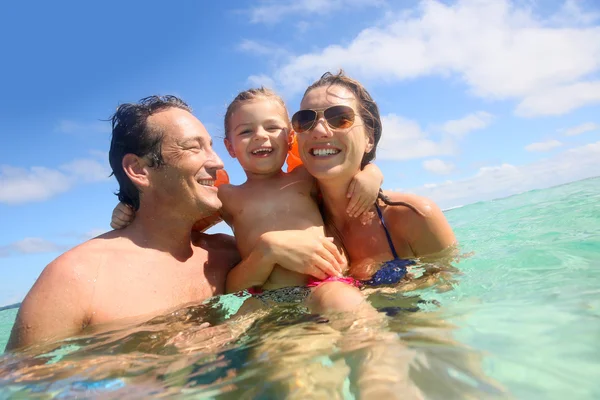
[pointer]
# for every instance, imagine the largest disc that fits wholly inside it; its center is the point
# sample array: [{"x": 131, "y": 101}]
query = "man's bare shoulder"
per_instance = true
[
  {"x": 80, "y": 259},
  {"x": 58, "y": 304}
]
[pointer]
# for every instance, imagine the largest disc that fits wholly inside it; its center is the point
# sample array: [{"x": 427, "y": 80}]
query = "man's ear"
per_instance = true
[
  {"x": 229, "y": 147},
  {"x": 136, "y": 169}
]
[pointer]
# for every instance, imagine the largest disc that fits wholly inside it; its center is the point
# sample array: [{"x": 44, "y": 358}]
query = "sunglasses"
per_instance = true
[{"x": 337, "y": 117}]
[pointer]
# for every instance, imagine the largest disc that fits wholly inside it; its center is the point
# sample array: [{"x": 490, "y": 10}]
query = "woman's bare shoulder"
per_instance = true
[
  {"x": 421, "y": 222},
  {"x": 409, "y": 202}
]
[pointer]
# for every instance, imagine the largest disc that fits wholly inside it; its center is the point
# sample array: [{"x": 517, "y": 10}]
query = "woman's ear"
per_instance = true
[
  {"x": 229, "y": 147},
  {"x": 370, "y": 142},
  {"x": 136, "y": 169}
]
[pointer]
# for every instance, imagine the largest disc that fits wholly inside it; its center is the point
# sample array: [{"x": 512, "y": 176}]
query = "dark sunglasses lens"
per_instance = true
[
  {"x": 303, "y": 120},
  {"x": 339, "y": 117}
]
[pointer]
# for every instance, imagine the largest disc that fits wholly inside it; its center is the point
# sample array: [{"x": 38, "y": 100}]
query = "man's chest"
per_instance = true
[{"x": 148, "y": 290}]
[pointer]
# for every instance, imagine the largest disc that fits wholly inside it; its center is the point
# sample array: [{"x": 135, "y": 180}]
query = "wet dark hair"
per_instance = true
[
  {"x": 252, "y": 95},
  {"x": 132, "y": 135},
  {"x": 368, "y": 110}
]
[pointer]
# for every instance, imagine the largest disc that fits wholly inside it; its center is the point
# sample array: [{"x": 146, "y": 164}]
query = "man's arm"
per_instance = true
[{"x": 54, "y": 307}]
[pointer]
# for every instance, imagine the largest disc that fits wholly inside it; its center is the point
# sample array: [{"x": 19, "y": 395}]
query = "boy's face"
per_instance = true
[{"x": 260, "y": 136}]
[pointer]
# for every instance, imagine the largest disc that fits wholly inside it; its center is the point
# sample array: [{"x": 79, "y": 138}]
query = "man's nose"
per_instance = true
[{"x": 214, "y": 161}]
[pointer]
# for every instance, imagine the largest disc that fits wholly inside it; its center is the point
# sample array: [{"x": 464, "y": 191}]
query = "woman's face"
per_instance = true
[{"x": 329, "y": 153}]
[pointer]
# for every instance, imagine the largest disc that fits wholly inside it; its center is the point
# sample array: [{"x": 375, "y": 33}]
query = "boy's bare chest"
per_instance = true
[{"x": 273, "y": 200}]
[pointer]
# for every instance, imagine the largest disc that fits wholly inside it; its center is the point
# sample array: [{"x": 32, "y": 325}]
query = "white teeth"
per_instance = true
[
  {"x": 325, "y": 152},
  {"x": 207, "y": 182},
  {"x": 262, "y": 150}
]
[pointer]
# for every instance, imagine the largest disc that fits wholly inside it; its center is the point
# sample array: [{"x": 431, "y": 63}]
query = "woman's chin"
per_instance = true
[{"x": 329, "y": 172}]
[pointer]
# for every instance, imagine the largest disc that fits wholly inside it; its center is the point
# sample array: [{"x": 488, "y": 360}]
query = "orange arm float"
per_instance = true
[{"x": 293, "y": 159}]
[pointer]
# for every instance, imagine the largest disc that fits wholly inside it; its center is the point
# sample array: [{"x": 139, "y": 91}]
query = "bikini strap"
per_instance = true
[{"x": 387, "y": 234}]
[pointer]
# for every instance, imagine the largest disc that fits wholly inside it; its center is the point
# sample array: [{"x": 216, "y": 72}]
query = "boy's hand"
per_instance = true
[
  {"x": 208, "y": 222},
  {"x": 363, "y": 191},
  {"x": 122, "y": 216}
]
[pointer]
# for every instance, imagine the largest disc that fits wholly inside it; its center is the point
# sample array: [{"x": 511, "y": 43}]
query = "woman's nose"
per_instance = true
[{"x": 321, "y": 129}]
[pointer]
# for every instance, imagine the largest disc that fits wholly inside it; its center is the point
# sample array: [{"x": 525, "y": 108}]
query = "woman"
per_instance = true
[{"x": 338, "y": 115}]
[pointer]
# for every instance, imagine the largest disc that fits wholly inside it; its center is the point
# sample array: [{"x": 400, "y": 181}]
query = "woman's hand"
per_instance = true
[
  {"x": 363, "y": 190},
  {"x": 122, "y": 216},
  {"x": 305, "y": 253}
]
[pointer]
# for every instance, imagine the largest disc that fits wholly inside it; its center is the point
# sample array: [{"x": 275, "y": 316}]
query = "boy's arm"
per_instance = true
[
  {"x": 363, "y": 190},
  {"x": 252, "y": 271}
]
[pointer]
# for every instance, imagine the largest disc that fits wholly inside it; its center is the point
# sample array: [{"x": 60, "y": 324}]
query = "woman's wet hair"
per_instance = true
[
  {"x": 132, "y": 135},
  {"x": 368, "y": 110},
  {"x": 252, "y": 95},
  {"x": 369, "y": 113}
]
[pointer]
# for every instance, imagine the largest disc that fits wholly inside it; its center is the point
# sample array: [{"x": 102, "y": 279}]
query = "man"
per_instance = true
[{"x": 163, "y": 159}]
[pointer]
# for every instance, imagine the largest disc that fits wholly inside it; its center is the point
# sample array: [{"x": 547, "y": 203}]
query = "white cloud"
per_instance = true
[
  {"x": 252, "y": 46},
  {"x": 272, "y": 11},
  {"x": 21, "y": 185},
  {"x": 498, "y": 48},
  {"x": 558, "y": 100},
  {"x": 506, "y": 179},
  {"x": 403, "y": 139},
  {"x": 543, "y": 146},
  {"x": 438, "y": 166},
  {"x": 74, "y": 127},
  {"x": 471, "y": 122},
  {"x": 571, "y": 13},
  {"x": 579, "y": 129},
  {"x": 261, "y": 80},
  {"x": 87, "y": 170},
  {"x": 31, "y": 245},
  {"x": 261, "y": 49}
]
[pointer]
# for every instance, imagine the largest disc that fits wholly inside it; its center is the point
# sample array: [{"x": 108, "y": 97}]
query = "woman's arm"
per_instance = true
[
  {"x": 427, "y": 233},
  {"x": 363, "y": 190},
  {"x": 297, "y": 251}
]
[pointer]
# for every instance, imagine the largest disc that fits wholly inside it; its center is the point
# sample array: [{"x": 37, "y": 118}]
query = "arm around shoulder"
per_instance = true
[
  {"x": 425, "y": 227},
  {"x": 55, "y": 307}
]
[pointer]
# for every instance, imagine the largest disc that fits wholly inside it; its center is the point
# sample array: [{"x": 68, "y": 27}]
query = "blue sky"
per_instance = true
[{"x": 480, "y": 99}]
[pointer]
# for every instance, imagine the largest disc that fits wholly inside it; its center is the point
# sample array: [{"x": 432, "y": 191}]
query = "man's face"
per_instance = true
[{"x": 186, "y": 182}]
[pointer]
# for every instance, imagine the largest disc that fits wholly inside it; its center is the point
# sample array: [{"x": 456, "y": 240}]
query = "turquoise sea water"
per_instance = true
[{"x": 521, "y": 320}]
